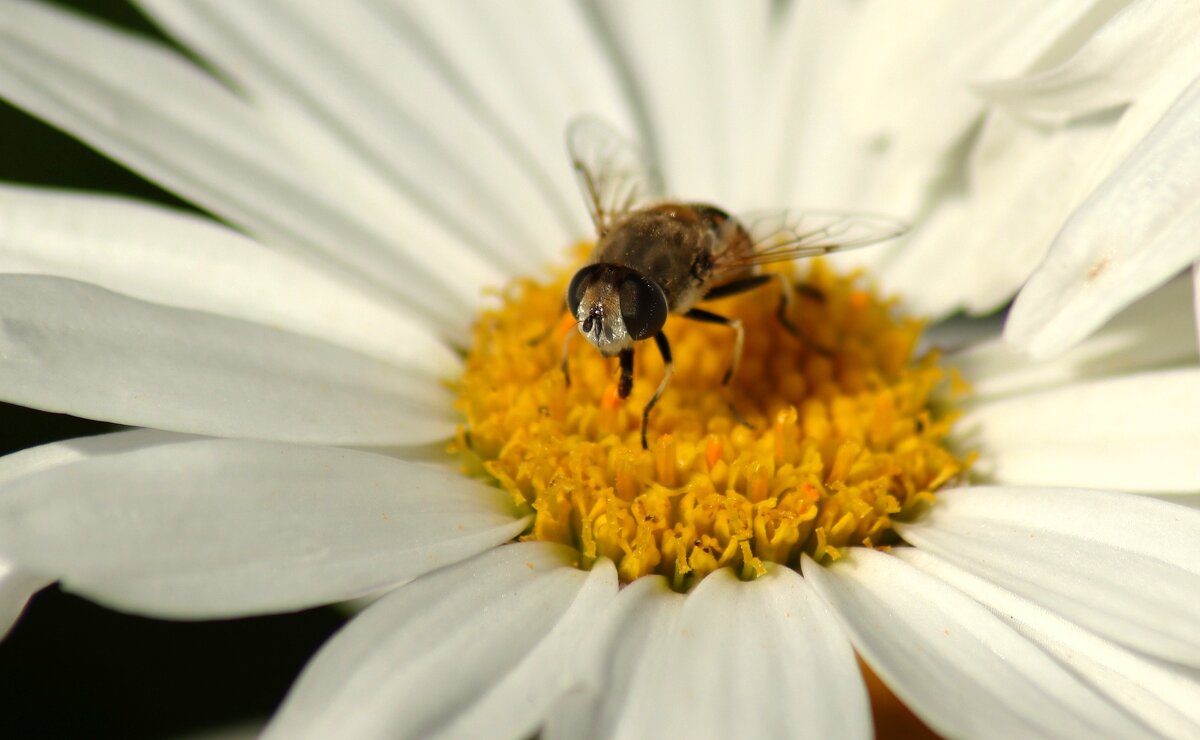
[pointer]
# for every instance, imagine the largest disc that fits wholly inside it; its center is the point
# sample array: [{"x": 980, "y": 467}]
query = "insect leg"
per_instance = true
[
  {"x": 566, "y": 370},
  {"x": 786, "y": 289},
  {"x": 737, "y": 286},
  {"x": 810, "y": 292},
  {"x": 699, "y": 314},
  {"x": 664, "y": 349},
  {"x": 625, "y": 384}
]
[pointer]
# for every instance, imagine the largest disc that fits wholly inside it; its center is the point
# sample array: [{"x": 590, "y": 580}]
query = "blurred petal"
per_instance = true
[
  {"x": 913, "y": 110},
  {"x": 1165, "y": 697},
  {"x": 1133, "y": 433},
  {"x": 960, "y": 668},
  {"x": 709, "y": 54},
  {"x": 803, "y": 156},
  {"x": 398, "y": 670},
  {"x": 528, "y": 68},
  {"x": 332, "y": 67},
  {"x": 1024, "y": 183},
  {"x": 209, "y": 528},
  {"x": 177, "y": 259},
  {"x": 1133, "y": 233},
  {"x": 904, "y": 269},
  {"x": 153, "y": 111},
  {"x": 79, "y": 349},
  {"x": 1134, "y": 49},
  {"x": 769, "y": 644},
  {"x": 1125, "y": 567},
  {"x": 1157, "y": 331},
  {"x": 1025, "y": 180}
]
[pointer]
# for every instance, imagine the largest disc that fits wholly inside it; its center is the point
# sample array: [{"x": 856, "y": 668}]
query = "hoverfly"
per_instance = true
[{"x": 654, "y": 256}]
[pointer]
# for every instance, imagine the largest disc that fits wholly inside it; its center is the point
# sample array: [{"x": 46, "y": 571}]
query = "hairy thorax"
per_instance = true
[{"x": 674, "y": 244}]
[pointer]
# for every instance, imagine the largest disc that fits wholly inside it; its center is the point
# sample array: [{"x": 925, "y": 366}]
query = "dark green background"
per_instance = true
[{"x": 70, "y": 668}]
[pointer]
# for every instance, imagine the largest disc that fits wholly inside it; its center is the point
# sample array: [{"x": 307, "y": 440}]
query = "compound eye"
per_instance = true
[
  {"x": 576, "y": 287},
  {"x": 643, "y": 306}
]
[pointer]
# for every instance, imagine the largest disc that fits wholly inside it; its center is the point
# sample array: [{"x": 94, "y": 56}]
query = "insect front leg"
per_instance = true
[
  {"x": 664, "y": 349},
  {"x": 625, "y": 384},
  {"x": 566, "y": 356}
]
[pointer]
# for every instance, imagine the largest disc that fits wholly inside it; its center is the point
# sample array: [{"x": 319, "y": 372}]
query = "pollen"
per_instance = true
[{"x": 818, "y": 443}]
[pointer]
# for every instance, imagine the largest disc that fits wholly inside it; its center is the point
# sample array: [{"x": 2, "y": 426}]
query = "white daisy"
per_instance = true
[{"x": 391, "y": 160}]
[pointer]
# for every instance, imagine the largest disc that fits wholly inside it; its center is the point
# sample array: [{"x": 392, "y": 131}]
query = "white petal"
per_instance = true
[
  {"x": 411, "y": 662},
  {"x": 613, "y": 664},
  {"x": 982, "y": 181},
  {"x": 1131, "y": 51},
  {"x": 861, "y": 135},
  {"x": 1003, "y": 187},
  {"x": 334, "y": 66},
  {"x": 36, "y": 459},
  {"x": 912, "y": 111},
  {"x": 682, "y": 56},
  {"x": 1126, "y": 567},
  {"x": 75, "y": 348},
  {"x": 1165, "y": 697},
  {"x": 904, "y": 269},
  {"x": 530, "y": 67},
  {"x": 517, "y": 704},
  {"x": 1132, "y": 233},
  {"x": 1157, "y": 331},
  {"x": 148, "y": 108},
  {"x": 757, "y": 659},
  {"x": 17, "y": 587},
  {"x": 960, "y": 668},
  {"x": 1133, "y": 433},
  {"x": 224, "y": 527},
  {"x": 177, "y": 259},
  {"x": 1024, "y": 181},
  {"x": 803, "y": 156}
]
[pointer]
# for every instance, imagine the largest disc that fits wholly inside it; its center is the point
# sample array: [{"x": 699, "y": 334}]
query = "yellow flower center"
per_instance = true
[{"x": 805, "y": 451}]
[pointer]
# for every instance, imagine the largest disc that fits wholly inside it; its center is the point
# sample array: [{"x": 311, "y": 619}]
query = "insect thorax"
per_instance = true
[{"x": 674, "y": 244}]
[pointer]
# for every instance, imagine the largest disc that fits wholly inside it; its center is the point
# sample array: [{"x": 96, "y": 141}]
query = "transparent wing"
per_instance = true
[
  {"x": 783, "y": 235},
  {"x": 613, "y": 173}
]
